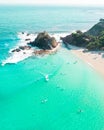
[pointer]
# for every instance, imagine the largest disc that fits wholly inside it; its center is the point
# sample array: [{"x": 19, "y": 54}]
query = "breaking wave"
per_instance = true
[{"x": 25, "y": 38}]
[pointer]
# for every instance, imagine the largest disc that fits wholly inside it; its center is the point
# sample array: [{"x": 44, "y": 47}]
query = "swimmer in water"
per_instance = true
[
  {"x": 79, "y": 111},
  {"x": 44, "y": 101},
  {"x": 47, "y": 77}
]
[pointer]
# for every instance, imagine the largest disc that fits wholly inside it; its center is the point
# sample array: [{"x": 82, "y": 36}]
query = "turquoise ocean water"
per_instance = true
[{"x": 72, "y": 98}]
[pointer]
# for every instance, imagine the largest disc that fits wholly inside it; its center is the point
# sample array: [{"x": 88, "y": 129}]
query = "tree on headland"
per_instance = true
[{"x": 93, "y": 39}]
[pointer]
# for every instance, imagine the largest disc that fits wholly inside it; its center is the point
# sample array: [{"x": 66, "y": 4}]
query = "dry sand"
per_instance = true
[{"x": 94, "y": 58}]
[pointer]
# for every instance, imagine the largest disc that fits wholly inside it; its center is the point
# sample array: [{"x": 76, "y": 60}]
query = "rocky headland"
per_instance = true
[
  {"x": 88, "y": 46},
  {"x": 93, "y": 39}
]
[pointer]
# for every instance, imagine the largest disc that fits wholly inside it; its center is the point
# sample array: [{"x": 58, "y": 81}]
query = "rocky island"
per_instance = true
[{"x": 44, "y": 42}]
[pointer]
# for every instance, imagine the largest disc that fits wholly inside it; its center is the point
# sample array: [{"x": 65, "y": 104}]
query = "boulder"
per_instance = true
[
  {"x": 16, "y": 50},
  {"x": 28, "y": 39},
  {"x": 21, "y": 48},
  {"x": 28, "y": 34},
  {"x": 24, "y": 47},
  {"x": 44, "y": 41}
]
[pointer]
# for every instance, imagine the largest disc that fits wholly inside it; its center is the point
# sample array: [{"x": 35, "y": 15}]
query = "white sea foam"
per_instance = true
[
  {"x": 23, "y": 54},
  {"x": 16, "y": 57},
  {"x": 24, "y": 36},
  {"x": 58, "y": 35}
]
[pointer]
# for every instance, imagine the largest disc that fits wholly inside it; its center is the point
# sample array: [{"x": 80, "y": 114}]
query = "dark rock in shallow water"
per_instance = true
[
  {"x": 22, "y": 32},
  {"x": 24, "y": 47},
  {"x": 96, "y": 29},
  {"x": 44, "y": 41},
  {"x": 16, "y": 50},
  {"x": 21, "y": 48},
  {"x": 28, "y": 34},
  {"x": 27, "y": 39}
]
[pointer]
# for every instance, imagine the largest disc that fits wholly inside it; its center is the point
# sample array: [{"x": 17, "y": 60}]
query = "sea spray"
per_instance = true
[{"x": 25, "y": 38}]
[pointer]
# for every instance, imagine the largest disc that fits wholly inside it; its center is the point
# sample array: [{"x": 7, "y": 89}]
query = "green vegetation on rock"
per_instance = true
[
  {"x": 93, "y": 39},
  {"x": 44, "y": 41}
]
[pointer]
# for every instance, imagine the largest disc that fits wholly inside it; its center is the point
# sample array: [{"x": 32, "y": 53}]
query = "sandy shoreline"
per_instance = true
[{"x": 92, "y": 58}]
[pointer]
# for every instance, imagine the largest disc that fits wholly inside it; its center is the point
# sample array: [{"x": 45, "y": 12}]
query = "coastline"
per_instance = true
[
  {"x": 93, "y": 58},
  {"x": 39, "y": 52}
]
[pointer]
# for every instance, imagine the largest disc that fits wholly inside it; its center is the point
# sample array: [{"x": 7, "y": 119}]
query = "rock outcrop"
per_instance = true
[
  {"x": 44, "y": 41},
  {"x": 93, "y": 39},
  {"x": 24, "y": 47},
  {"x": 16, "y": 50},
  {"x": 96, "y": 29},
  {"x": 21, "y": 48},
  {"x": 78, "y": 39}
]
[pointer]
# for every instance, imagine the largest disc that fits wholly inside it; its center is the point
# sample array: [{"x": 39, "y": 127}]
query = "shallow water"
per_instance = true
[{"x": 72, "y": 98}]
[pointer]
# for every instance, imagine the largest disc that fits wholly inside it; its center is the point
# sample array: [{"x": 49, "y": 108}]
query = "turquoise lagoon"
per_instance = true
[{"x": 72, "y": 98}]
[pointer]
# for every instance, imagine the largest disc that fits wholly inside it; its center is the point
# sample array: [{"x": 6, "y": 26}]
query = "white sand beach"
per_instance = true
[{"x": 94, "y": 58}]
